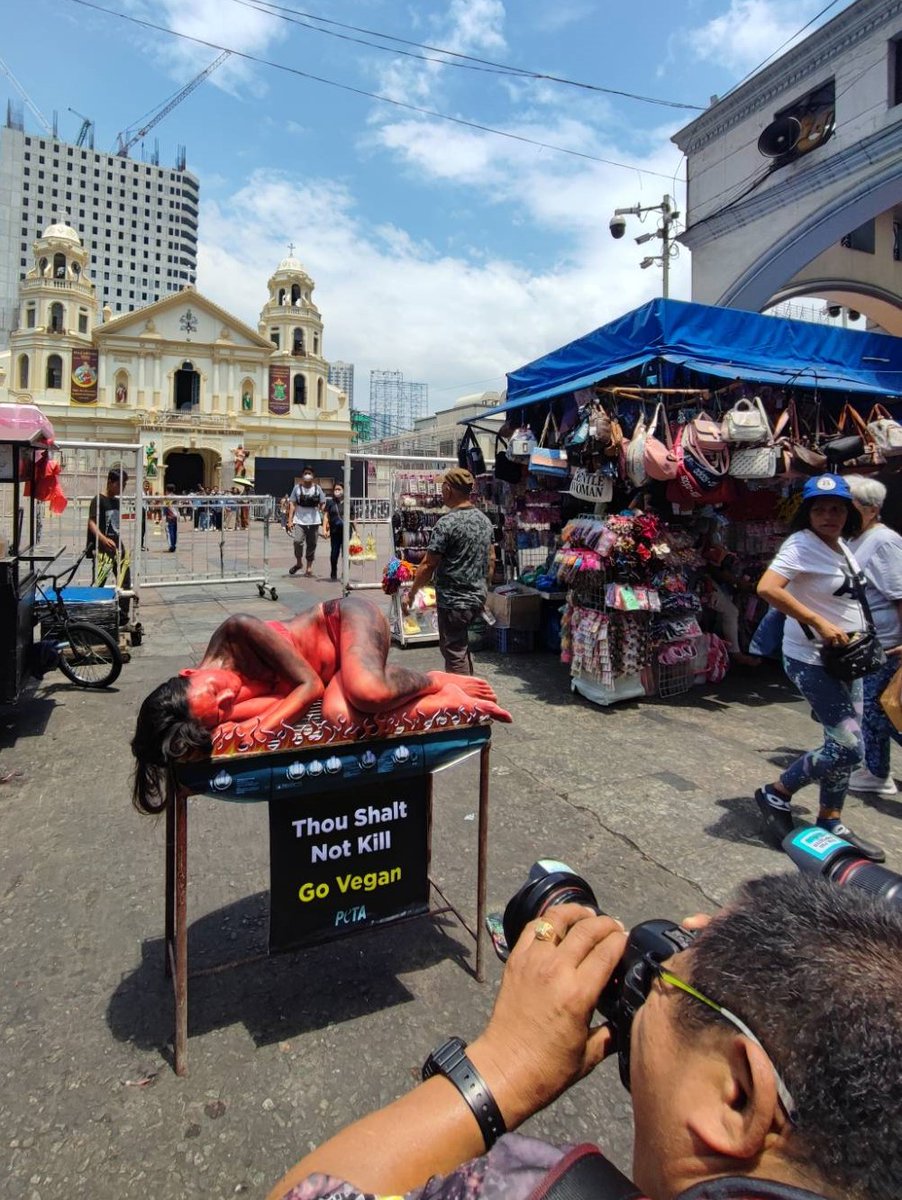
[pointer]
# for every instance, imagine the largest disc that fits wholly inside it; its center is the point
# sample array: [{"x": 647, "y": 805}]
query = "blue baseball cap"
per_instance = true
[{"x": 833, "y": 487}]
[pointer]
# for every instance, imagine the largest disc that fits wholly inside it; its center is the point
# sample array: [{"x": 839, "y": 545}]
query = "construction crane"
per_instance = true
[
  {"x": 124, "y": 143},
  {"x": 45, "y": 124},
  {"x": 86, "y": 133}
]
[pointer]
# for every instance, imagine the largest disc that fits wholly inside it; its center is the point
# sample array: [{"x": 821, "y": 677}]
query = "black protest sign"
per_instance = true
[{"x": 348, "y": 860}]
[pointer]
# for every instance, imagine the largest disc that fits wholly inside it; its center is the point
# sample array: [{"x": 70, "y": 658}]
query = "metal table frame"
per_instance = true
[{"x": 176, "y": 897}]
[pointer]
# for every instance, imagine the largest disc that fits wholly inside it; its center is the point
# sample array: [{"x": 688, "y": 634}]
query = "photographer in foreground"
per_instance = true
[{"x": 792, "y": 1092}]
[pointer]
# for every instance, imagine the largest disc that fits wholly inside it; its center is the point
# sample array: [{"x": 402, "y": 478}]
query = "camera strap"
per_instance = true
[{"x": 585, "y": 1174}]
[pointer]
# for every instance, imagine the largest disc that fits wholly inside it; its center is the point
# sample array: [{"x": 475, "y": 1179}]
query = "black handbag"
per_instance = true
[
  {"x": 469, "y": 453},
  {"x": 862, "y": 653},
  {"x": 505, "y": 468}
]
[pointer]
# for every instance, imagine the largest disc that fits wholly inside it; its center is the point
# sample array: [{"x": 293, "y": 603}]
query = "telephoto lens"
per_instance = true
[{"x": 817, "y": 852}]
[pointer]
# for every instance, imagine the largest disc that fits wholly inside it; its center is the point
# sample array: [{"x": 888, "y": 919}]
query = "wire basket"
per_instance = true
[{"x": 675, "y": 679}]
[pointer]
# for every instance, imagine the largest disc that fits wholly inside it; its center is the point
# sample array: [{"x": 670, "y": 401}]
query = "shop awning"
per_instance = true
[{"x": 723, "y": 342}]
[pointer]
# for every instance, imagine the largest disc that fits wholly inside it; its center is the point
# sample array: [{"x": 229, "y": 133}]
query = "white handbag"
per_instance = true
[
  {"x": 635, "y": 455},
  {"x": 521, "y": 444},
  {"x": 886, "y": 432},
  {"x": 746, "y": 423},
  {"x": 591, "y": 486},
  {"x": 754, "y": 462}
]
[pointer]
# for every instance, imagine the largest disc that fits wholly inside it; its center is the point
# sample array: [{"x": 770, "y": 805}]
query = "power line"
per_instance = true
[
  {"x": 754, "y": 71},
  {"x": 467, "y": 61},
  {"x": 427, "y": 112}
]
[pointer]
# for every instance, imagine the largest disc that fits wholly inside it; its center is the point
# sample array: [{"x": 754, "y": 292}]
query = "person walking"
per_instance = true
[
  {"x": 812, "y": 581},
  {"x": 104, "y": 544},
  {"x": 171, "y": 516},
  {"x": 305, "y": 506},
  {"x": 878, "y": 551},
  {"x": 460, "y": 560},
  {"x": 334, "y": 527}
]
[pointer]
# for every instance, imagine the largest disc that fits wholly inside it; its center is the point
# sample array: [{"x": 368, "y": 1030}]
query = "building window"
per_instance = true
[
  {"x": 897, "y": 241},
  {"x": 59, "y": 266},
  {"x": 297, "y": 342},
  {"x": 895, "y": 71},
  {"x": 23, "y": 370},
  {"x": 82, "y": 320},
  {"x": 56, "y": 317},
  {"x": 320, "y": 391},
  {"x": 54, "y": 371},
  {"x": 862, "y": 238},
  {"x": 30, "y": 314},
  {"x": 300, "y": 389},
  {"x": 274, "y": 337}
]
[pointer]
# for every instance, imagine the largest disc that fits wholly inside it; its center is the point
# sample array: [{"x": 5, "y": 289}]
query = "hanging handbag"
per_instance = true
[
  {"x": 591, "y": 486},
  {"x": 707, "y": 434},
  {"x": 701, "y": 477},
  {"x": 521, "y": 444},
  {"x": 659, "y": 457},
  {"x": 885, "y": 432},
  {"x": 547, "y": 460},
  {"x": 746, "y": 423},
  {"x": 862, "y": 653},
  {"x": 506, "y": 469},
  {"x": 804, "y": 459},
  {"x": 754, "y": 462},
  {"x": 469, "y": 453},
  {"x": 579, "y": 434},
  {"x": 635, "y": 454},
  {"x": 842, "y": 447},
  {"x": 599, "y": 425}
]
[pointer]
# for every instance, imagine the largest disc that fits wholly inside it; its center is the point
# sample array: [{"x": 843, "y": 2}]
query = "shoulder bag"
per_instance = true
[
  {"x": 634, "y": 458},
  {"x": 506, "y": 468},
  {"x": 547, "y": 460},
  {"x": 885, "y": 431},
  {"x": 707, "y": 434},
  {"x": 659, "y": 457},
  {"x": 862, "y": 653},
  {"x": 804, "y": 459},
  {"x": 521, "y": 444},
  {"x": 760, "y": 461},
  {"x": 594, "y": 487},
  {"x": 469, "y": 453},
  {"x": 746, "y": 423}
]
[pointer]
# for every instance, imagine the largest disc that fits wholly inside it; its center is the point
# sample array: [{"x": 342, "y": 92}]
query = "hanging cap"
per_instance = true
[{"x": 833, "y": 486}]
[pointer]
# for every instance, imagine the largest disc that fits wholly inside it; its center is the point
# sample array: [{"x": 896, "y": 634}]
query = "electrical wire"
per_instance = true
[
  {"x": 466, "y": 61},
  {"x": 428, "y": 112},
  {"x": 754, "y": 71}
]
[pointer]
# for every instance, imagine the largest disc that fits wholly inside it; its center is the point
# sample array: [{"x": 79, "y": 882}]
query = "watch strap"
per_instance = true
[{"x": 450, "y": 1059}]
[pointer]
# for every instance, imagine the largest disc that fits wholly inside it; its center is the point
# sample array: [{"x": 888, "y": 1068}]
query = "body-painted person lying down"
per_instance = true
[{"x": 258, "y": 679}]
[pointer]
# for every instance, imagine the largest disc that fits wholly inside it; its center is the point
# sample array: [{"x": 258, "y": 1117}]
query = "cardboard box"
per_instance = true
[{"x": 515, "y": 606}]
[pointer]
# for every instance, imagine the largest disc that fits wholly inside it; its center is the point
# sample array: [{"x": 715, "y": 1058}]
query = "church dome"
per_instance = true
[
  {"x": 291, "y": 264},
  {"x": 64, "y": 233}
]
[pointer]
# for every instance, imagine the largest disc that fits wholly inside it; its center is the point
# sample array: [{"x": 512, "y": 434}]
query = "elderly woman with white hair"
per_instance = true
[{"x": 878, "y": 551}]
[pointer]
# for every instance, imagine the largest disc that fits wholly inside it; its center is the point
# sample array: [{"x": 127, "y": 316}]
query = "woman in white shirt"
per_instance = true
[
  {"x": 811, "y": 581},
  {"x": 878, "y": 551}
]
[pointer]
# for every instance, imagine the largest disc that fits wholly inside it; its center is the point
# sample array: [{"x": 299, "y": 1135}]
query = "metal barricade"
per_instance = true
[
  {"x": 370, "y": 515},
  {"x": 87, "y": 470},
  {"x": 198, "y": 540}
]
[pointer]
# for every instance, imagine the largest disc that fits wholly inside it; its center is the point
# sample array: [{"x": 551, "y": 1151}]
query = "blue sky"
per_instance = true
[{"x": 441, "y": 250}]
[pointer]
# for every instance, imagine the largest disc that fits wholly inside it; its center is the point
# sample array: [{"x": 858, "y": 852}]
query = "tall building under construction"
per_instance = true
[
  {"x": 137, "y": 220},
  {"x": 395, "y": 403}
]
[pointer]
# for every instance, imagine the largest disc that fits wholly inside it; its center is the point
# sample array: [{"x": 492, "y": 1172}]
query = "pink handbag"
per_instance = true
[
  {"x": 707, "y": 434},
  {"x": 659, "y": 457}
]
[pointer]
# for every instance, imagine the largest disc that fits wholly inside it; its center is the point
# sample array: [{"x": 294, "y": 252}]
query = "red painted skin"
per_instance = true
[{"x": 255, "y": 678}]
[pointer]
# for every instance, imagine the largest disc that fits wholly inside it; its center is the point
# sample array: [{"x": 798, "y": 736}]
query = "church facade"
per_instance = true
[{"x": 184, "y": 378}]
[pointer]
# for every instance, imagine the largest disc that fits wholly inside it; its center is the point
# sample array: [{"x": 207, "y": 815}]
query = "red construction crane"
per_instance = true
[{"x": 125, "y": 143}]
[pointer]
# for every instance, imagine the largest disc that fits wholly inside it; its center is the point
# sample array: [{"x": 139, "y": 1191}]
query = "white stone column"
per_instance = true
[
  {"x": 142, "y": 376},
  {"x": 157, "y": 379},
  {"x": 231, "y": 394}
]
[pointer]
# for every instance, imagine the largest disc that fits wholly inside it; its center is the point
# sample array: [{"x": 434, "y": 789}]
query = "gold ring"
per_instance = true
[{"x": 545, "y": 932}]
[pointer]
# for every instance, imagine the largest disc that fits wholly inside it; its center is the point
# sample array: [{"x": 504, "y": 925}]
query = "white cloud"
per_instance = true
[
  {"x": 389, "y": 300},
  {"x": 749, "y": 31},
  {"x": 220, "y": 21}
]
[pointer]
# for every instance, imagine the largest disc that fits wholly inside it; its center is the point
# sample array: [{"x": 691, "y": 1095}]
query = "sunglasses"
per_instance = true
[{"x": 783, "y": 1092}]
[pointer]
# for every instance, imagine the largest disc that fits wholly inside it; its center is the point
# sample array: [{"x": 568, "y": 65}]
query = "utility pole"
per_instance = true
[{"x": 669, "y": 217}]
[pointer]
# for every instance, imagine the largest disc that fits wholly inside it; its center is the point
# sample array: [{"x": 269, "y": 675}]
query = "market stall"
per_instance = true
[{"x": 651, "y": 468}]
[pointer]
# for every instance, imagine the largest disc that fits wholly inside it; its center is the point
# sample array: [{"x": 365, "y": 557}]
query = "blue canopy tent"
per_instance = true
[{"x": 721, "y": 342}]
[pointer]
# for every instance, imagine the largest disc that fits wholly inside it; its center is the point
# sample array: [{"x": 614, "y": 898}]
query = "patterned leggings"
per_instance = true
[
  {"x": 838, "y": 707},
  {"x": 877, "y": 727}
]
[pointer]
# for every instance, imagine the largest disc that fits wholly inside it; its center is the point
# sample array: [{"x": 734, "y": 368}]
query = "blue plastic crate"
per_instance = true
[{"x": 514, "y": 641}]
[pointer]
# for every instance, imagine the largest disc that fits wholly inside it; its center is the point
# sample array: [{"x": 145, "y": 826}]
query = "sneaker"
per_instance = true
[
  {"x": 293, "y": 570},
  {"x": 777, "y": 815},
  {"x": 863, "y": 781},
  {"x": 865, "y": 849}
]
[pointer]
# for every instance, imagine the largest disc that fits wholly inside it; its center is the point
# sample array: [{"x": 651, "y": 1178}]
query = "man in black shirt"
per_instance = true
[{"x": 104, "y": 541}]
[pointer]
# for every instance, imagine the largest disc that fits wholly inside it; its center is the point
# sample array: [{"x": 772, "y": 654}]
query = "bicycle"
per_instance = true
[{"x": 88, "y": 655}]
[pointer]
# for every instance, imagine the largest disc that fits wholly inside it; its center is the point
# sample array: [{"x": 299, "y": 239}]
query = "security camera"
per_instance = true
[{"x": 618, "y": 226}]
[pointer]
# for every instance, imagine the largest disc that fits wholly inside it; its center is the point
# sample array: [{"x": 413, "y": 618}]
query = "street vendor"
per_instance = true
[{"x": 258, "y": 676}]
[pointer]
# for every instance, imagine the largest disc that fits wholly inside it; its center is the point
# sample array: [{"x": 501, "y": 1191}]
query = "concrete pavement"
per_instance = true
[{"x": 651, "y": 802}]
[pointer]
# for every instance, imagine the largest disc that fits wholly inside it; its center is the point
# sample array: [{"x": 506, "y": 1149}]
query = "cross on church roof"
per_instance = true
[{"x": 291, "y": 247}]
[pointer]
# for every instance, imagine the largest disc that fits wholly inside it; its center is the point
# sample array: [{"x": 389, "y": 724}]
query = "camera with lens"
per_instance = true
[
  {"x": 617, "y": 226},
  {"x": 550, "y": 883}
]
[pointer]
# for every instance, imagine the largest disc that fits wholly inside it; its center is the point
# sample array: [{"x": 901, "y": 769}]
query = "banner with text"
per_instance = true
[
  {"x": 340, "y": 863},
  {"x": 279, "y": 382},
  {"x": 83, "y": 388}
]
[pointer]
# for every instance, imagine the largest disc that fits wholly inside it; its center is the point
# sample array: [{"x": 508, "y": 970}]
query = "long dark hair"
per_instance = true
[{"x": 165, "y": 732}]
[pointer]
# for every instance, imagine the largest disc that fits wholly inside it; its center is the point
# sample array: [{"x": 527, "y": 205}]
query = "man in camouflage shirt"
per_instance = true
[{"x": 460, "y": 560}]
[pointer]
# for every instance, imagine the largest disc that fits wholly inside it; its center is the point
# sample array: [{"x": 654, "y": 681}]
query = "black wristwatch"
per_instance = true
[{"x": 450, "y": 1059}]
